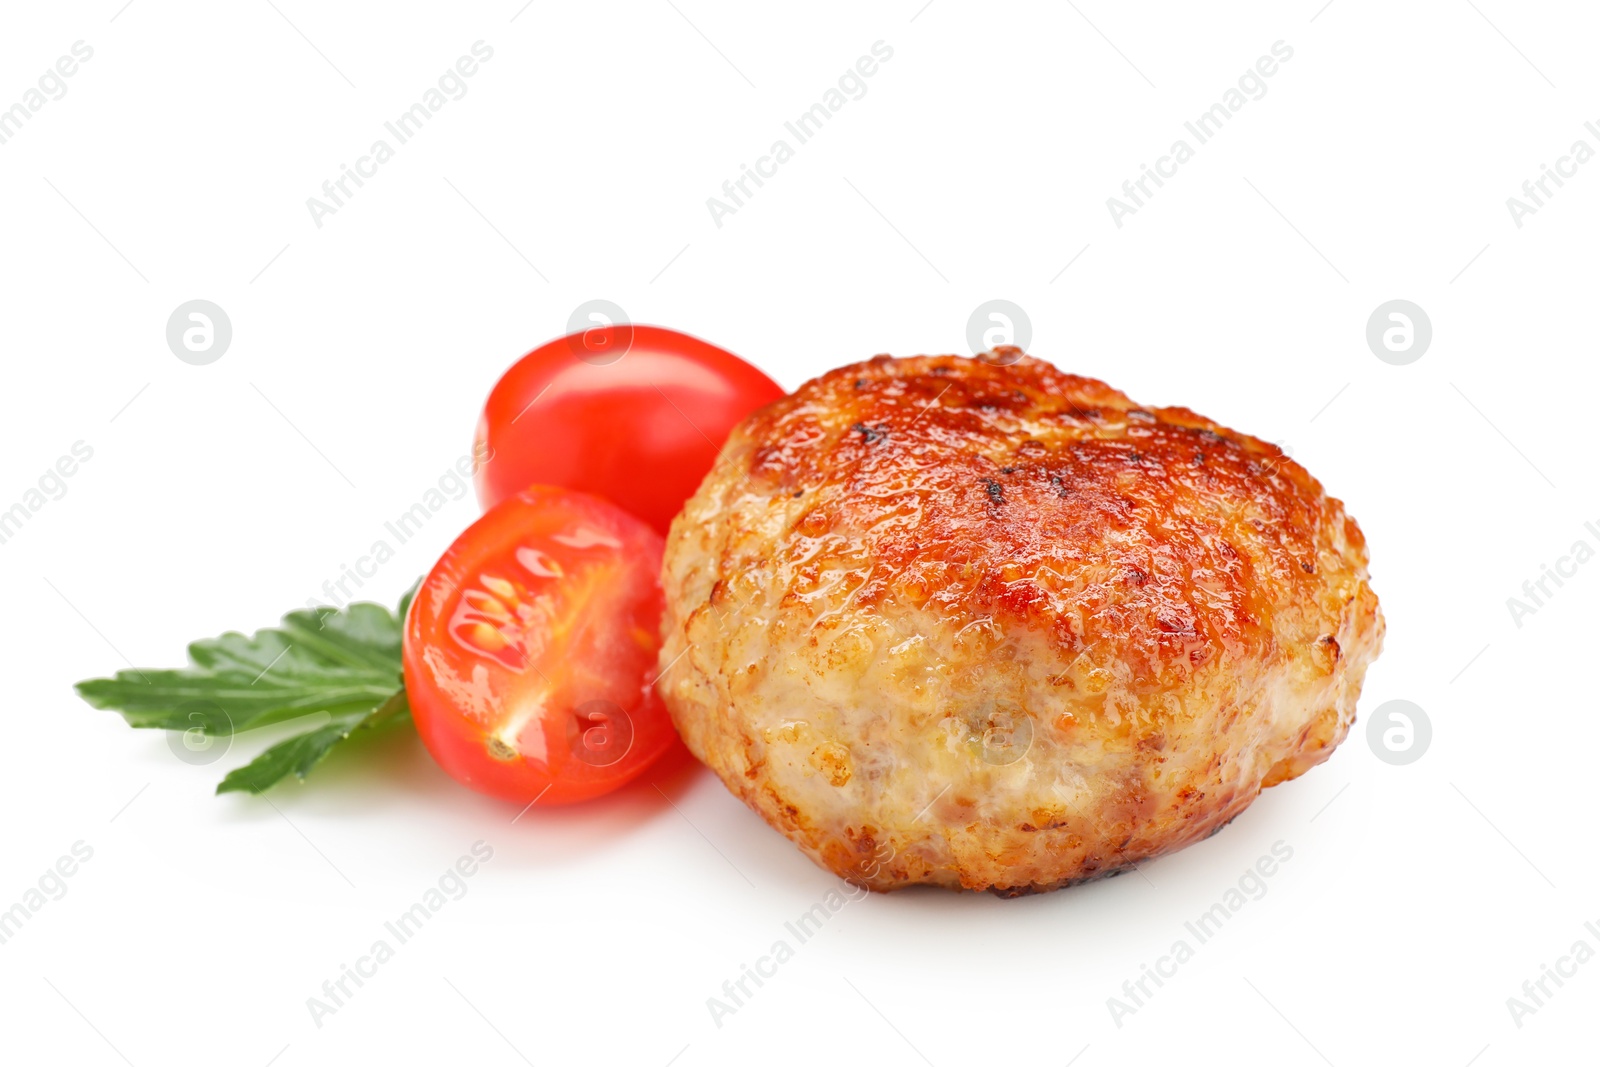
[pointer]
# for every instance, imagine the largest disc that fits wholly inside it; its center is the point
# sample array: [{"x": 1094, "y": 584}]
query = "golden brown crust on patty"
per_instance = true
[{"x": 997, "y": 626}]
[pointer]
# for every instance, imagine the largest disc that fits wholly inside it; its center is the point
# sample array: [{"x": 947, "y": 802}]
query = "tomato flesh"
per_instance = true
[
  {"x": 634, "y": 414},
  {"x": 530, "y": 650}
]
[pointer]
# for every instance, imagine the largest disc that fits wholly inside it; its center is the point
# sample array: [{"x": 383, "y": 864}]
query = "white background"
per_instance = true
[{"x": 177, "y": 166}]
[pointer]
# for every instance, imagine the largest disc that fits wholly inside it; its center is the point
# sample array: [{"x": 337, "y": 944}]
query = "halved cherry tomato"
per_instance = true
[
  {"x": 530, "y": 648},
  {"x": 634, "y": 414}
]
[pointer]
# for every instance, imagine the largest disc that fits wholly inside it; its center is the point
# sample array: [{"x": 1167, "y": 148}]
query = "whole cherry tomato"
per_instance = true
[
  {"x": 530, "y": 650},
  {"x": 634, "y": 414}
]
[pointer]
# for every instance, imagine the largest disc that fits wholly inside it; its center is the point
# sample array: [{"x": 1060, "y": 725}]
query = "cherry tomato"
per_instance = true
[
  {"x": 531, "y": 646},
  {"x": 634, "y": 414}
]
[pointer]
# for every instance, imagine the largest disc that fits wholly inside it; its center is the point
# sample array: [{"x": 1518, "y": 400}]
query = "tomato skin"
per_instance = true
[
  {"x": 634, "y": 414},
  {"x": 531, "y": 646}
]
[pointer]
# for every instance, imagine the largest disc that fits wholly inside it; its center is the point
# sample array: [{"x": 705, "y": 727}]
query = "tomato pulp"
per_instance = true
[
  {"x": 634, "y": 414},
  {"x": 530, "y": 650}
]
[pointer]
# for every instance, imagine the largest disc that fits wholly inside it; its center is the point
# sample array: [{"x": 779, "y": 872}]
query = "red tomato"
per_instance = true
[
  {"x": 634, "y": 414},
  {"x": 530, "y": 648}
]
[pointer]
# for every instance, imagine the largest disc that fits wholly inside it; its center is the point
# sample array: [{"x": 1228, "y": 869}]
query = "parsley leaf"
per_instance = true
[
  {"x": 300, "y": 753},
  {"x": 345, "y": 663}
]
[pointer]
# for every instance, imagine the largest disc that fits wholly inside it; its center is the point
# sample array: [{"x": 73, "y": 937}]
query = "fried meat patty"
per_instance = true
[{"x": 987, "y": 625}]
